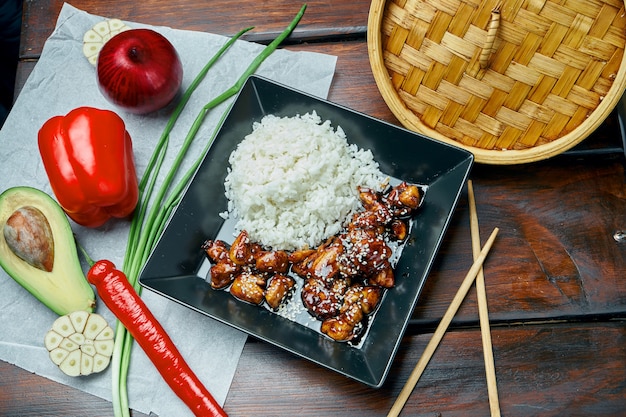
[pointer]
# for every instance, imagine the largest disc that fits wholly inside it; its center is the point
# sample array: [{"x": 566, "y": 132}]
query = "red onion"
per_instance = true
[{"x": 139, "y": 70}]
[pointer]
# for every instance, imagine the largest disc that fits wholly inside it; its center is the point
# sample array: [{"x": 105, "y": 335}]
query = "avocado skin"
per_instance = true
[{"x": 64, "y": 289}]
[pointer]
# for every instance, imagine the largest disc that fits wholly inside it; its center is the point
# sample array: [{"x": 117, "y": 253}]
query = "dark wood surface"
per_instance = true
[{"x": 555, "y": 277}]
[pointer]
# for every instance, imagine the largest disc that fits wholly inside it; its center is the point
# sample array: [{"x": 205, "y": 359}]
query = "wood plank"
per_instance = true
[
  {"x": 551, "y": 261},
  {"x": 542, "y": 370},
  {"x": 28, "y": 395},
  {"x": 321, "y": 19},
  {"x": 24, "y": 68},
  {"x": 545, "y": 370}
]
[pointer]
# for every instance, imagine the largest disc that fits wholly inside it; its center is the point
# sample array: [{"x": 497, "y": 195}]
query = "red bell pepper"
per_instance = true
[{"x": 88, "y": 157}]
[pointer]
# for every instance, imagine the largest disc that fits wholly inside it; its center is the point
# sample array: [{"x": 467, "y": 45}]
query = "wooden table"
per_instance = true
[{"x": 556, "y": 276}]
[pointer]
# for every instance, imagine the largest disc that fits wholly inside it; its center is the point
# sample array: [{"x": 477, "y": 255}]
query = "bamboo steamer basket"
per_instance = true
[{"x": 512, "y": 81}]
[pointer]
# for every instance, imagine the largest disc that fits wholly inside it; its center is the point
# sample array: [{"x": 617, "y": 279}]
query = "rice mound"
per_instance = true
[{"x": 292, "y": 182}]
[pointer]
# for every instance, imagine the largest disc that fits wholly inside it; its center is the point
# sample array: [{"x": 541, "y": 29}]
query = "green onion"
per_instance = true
[
  {"x": 123, "y": 340},
  {"x": 146, "y": 185},
  {"x": 147, "y": 226}
]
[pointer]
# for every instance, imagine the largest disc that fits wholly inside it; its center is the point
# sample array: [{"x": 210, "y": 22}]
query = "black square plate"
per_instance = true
[{"x": 177, "y": 266}]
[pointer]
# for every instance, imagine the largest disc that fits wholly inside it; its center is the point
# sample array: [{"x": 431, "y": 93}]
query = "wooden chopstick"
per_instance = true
[
  {"x": 483, "y": 312},
  {"x": 441, "y": 328}
]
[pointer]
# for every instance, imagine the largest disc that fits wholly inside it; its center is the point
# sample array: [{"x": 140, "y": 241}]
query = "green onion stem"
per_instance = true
[
  {"x": 120, "y": 361},
  {"x": 156, "y": 160},
  {"x": 234, "y": 89},
  {"x": 143, "y": 247},
  {"x": 147, "y": 226}
]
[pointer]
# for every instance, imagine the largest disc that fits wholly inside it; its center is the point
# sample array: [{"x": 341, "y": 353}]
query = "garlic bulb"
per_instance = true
[{"x": 80, "y": 343}]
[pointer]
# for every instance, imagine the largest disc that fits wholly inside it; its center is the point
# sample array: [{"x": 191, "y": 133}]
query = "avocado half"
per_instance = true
[{"x": 64, "y": 289}]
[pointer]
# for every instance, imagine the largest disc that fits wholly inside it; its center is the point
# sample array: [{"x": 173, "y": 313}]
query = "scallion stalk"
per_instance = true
[
  {"x": 147, "y": 226},
  {"x": 148, "y": 180},
  {"x": 120, "y": 361}
]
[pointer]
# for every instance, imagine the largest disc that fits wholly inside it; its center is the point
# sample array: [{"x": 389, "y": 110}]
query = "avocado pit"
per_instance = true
[{"x": 29, "y": 236}]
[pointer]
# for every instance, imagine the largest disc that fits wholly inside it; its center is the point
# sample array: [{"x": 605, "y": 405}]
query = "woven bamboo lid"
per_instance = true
[{"x": 512, "y": 81}]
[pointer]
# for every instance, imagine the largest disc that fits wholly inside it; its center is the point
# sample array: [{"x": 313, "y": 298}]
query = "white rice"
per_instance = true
[{"x": 293, "y": 181}]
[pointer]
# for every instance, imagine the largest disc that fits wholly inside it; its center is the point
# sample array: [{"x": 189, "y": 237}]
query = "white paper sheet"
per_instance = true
[{"x": 63, "y": 80}]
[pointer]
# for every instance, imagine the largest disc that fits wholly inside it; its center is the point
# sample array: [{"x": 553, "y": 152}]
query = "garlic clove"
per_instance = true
[
  {"x": 95, "y": 324},
  {"x": 71, "y": 364},
  {"x": 79, "y": 320}
]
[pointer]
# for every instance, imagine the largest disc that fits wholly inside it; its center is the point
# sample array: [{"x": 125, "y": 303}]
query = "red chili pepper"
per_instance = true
[
  {"x": 88, "y": 157},
  {"x": 117, "y": 293}
]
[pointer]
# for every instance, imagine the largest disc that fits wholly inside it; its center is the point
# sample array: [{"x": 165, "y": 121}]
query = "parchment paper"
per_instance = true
[{"x": 63, "y": 80}]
